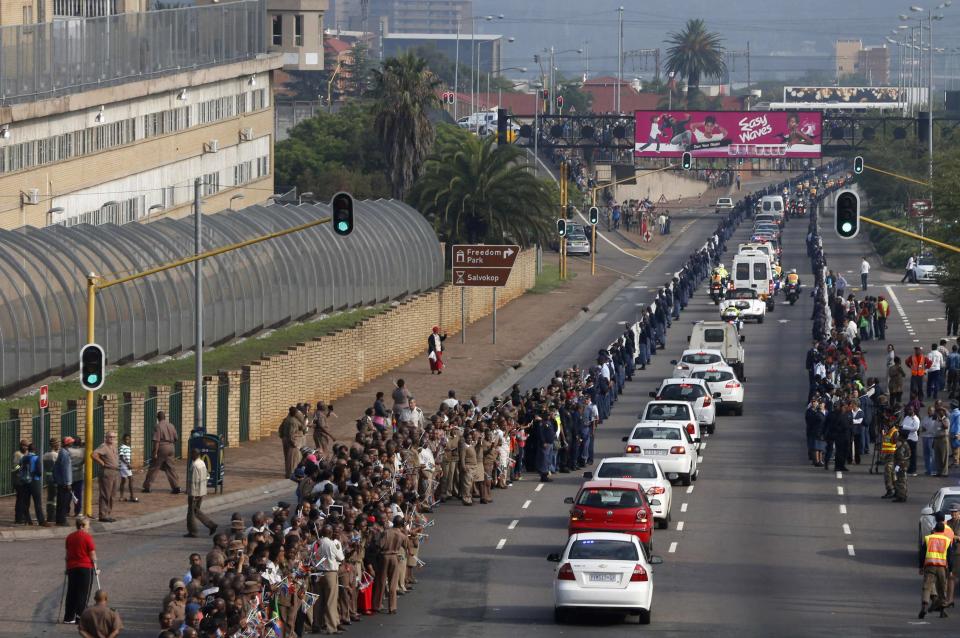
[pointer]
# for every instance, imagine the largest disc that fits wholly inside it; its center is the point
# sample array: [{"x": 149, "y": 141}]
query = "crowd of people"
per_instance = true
[{"x": 346, "y": 545}]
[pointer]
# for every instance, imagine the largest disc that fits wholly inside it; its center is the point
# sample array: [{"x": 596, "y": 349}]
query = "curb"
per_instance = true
[
  {"x": 548, "y": 345},
  {"x": 153, "y": 519}
]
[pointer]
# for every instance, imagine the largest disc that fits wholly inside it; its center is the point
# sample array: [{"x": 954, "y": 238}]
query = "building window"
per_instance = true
[
  {"x": 242, "y": 173},
  {"x": 215, "y": 110},
  {"x": 28, "y": 15},
  {"x": 122, "y": 212},
  {"x": 298, "y": 31},
  {"x": 263, "y": 166},
  {"x": 211, "y": 184},
  {"x": 169, "y": 196},
  {"x": 259, "y": 99},
  {"x": 278, "y": 30}
]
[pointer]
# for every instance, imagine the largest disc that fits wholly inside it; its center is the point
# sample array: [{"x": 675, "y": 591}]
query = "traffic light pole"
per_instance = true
[
  {"x": 88, "y": 428},
  {"x": 198, "y": 398},
  {"x": 907, "y": 233}
]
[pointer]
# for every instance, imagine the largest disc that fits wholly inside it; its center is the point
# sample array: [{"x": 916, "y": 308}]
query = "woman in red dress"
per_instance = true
[{"x": 435, "y": 350}]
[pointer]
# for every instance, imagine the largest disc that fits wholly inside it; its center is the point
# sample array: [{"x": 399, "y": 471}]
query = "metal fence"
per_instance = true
[
  {"x": 76, "y": 54},
  {"x": 393, "y": 252},
  {"x": 288, "y": 114}
]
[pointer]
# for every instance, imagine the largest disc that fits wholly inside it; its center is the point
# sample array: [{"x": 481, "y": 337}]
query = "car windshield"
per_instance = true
[
  {"x": 627, "y": 470},
  {"x": 700, "y": 358},
  {"x": 949, "y": 500},
  {"x": 713, "y": 376},
  {"x": 646, "y": 432},
  {"x": 927, "y": 261},
  {"x": 681, "y": 392},
  {"x": 610, "y": 497},
  {"x": 602, "y": 549},
  {"x": 667, "y": 412},
  {"x": 744, "y": 293}
]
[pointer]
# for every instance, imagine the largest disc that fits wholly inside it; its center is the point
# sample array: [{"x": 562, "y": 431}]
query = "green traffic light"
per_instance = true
[
  {"x": 343, "y": 226},
  {"x": 846, "y": 227},
  {"x": 92, "y": 379}
]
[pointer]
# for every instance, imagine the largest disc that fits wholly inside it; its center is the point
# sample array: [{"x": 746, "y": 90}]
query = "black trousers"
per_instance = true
[
  {"x": 36, "y": 492},
  {"x": 22, "y": 504},
  {"x": 64, "y": 499},
  {"x": 842, "y": 452},
  {"x": 79, "y": 582}
]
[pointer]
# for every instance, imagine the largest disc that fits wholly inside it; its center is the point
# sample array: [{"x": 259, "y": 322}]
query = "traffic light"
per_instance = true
[
  {"x": 93, "y": 363},
  {"x": 562, "y": 227},
  {"x": 687, "y": 161},
  {"x": 502, "y": 127},
  {"x": 739, "y": 161},
  {"x": 594, "y": 215},
  {"x": 546, "y": 94},
  {"x": 448, "y": 97},
  {"x": 559, "y": 101},
  {"x": 342, "y": 205},
  {"x": 858, "y": 165},
  {"x": 847, "y": 217}
]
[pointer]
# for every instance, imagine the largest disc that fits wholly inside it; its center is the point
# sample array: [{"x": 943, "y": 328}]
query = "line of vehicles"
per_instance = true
[{"x": 607, "y": 562}]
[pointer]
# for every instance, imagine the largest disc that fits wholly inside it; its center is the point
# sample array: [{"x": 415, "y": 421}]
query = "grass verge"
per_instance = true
[
  {"x": 134, "y": 378},
  {"x": 549, "y": 279}
]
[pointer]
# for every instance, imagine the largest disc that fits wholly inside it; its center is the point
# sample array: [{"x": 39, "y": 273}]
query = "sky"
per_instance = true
[{"x": 782, "y": 35}]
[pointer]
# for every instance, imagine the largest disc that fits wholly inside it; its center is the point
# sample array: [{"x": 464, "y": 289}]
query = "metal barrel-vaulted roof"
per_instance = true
[{"x": 392, "y": 252}]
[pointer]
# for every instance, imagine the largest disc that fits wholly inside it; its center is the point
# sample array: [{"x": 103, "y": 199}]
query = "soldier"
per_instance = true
[
  {"x": 901, "y": 458},
  {"x": 468, "y": 466},
  {"x": 292, "y": 431},
  {"x": 451, "y": 463},
  {"x": 888, "y": 446},
  {"x": 164, "y": 438},
  {"x": 107, "y": 457},
  {"x": 489, "y": 451},
  {"x": 322, "y": 437},
  {"x": 392, "y": 543}
]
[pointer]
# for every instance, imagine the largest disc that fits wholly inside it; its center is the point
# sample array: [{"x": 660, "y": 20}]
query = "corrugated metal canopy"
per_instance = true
[{"x": 392, "y": 252}]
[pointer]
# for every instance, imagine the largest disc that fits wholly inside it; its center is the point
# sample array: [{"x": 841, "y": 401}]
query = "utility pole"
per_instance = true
[
  {"x": 456, "y": 75},
  {"x": 930, "y": 102},
  {"x": 198, "y": 406},
  {"x": 619, "y": 60},
  {"x": 748, "y": 65}
]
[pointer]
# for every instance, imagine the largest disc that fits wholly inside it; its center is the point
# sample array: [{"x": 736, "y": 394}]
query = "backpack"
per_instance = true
[{"x": 25, "y": 474}]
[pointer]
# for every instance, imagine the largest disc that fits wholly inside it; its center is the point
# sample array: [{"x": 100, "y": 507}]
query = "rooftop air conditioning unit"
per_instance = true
[
  {"x": 213, "y": 146},
  {"x": 246, "y": 134}
]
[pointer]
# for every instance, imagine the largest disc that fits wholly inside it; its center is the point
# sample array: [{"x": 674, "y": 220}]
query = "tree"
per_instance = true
[
  {"x": 574, "y": 96},
  {"x": 695, "y": 53},
  {"x": 475, "y": 191},
  {"x": 356, "y": 72},
  {"x": 405, "y": 90},
  {"x": 441, "y": 65}
]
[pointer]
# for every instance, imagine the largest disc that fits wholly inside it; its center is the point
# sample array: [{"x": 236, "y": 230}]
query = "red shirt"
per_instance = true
[{"x": 79, "y": 549}]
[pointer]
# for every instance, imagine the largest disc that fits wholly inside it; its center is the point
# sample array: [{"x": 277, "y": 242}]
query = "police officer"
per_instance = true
[
  {"x": 468, "y": 464},
  {"x": 901, "y": 457},
  {"x": 451, "y": 463},
  {"x": 888, "y": 446},
  {"x": 933, "y": 568}
]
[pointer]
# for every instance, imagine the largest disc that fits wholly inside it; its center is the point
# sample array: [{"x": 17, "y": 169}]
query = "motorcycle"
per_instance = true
[
  {"x": 792, "y": 292},
  {"x": 716, "y": 292}
]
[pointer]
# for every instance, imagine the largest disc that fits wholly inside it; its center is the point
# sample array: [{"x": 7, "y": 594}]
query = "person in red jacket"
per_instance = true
[{"x": 81, "y": 559}]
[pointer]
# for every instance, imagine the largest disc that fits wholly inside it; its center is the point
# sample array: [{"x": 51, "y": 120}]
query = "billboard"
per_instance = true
[
  {"x": 713, "y": 134},
  {"x": 864, "y": 97}
]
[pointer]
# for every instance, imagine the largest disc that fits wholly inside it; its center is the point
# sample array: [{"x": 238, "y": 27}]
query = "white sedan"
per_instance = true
[
  {"x": 679, "y": 413},
  {"x": 722, "y": 380},
  {"x": 747, "y": 302},
  {"x": 645, "y": 472},
  {"x": 691, "y": 358},
  {"x": 670, "y": 445},
  {"x": 941, "y": 501},
  {"x": 694, "y": 391},
  {"x": 603, "y": 571}
]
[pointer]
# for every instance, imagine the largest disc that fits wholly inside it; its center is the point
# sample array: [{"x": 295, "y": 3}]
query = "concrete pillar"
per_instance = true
[
  {"x": 111, "y": 414},
  {"x": 253, "y": 374},
  {"x": 232, "y": 379},
  {"x": 25, "y": 418},
  {"x": 136, "y": 408},
  {"x": 187, "y": 393}
]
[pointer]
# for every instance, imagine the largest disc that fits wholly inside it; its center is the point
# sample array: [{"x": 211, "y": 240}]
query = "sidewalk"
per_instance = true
[{"x": 257, "y": 468}]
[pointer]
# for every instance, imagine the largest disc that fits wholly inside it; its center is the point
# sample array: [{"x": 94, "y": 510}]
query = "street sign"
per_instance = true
[
  {"x": 44, "y": 397},
  {"x": 921, "y": 208},
  {"x": 484, "y": 255},
  {"x": 480, "y": 276}
]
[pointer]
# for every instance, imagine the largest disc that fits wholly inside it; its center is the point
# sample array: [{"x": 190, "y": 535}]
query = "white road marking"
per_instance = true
[
  {"x": 600, "y": 316},
  {"x": 783, "y": 321},
  {"x": 690, "y": 489},
  {"x": 680, "y": 526},
  {"x": 539, "y": 487},
  {"x": 846, "y": 529},
  {"x": 839, "y": 475},
  {"x": 850, "y": 550},
  {"x": 932, "y": 318},
  {"x": 916, "y": 341},
  {"x": 924, "y": 300},
  {"x": 683, "y": 507},
  {"x": 703, "y": 446},
  {"x": 839, "y": 491},
  {"x": 502, "y": 542},
  {"x": 899, "y": 307},
  {"x": 673, "y": 547},
  {"x": 513, "y": 524},
  {"x": 526, "y": 504},
  {"x": 843, "y": 510},
  {"x": 700, "y": 459}
]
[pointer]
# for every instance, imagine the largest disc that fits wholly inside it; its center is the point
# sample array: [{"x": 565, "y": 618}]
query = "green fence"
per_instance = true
[
  {"x": 176, "y": 417},
  {"x": 124, "y": 419},
  {"x": 149, "y": 425},
  {"x": 68, "y": 424},
  {"x": 9, "y": 439},
  {"x": 223, "y": 412},
  {"x": 41, "y": 433},
  {"x": 97, "y": 434},
  {"x": 244, "y": 410}
]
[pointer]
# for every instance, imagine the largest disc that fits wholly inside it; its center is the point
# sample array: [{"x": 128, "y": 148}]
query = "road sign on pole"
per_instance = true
[
  {"x": 921, "y": 208},
  {"x": 44, "y": 397},
  {"x": 486, "y": 265},
  {"x": 484, "y": 256}
]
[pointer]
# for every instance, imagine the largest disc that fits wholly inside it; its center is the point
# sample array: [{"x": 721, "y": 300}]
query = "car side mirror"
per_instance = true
[
  {"x": 656, "y": 560},
  {"x": 717, "y": 395},
  {"x": 553, "y": 558},
  {"x": 743, "y": 338},
  {"x": 673, "y": 362},
  {"x": 653, "y": 394},
  {"x": 624, "y": 439},
  {"x": 589, "y": 475},
  {"x": 927, "y": 511},
  {"x": 568, "y": 500}
]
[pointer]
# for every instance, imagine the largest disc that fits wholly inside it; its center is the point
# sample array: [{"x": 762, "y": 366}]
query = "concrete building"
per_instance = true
[
  {"x": 296, "y": 31},
  {"x": 120, "y": 114},
  {"x": 488, "y": 47},
  {"x": 404, "y": 16},
  {"x": 871, "y": 62},
  {"x": 846, "y": 53}
]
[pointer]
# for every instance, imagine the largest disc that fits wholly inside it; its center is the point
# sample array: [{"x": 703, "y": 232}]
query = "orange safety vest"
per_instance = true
[
  {"x": 937, "y": 545},
  {"x": 918, "y": 365},
  {"x": 793, "y": 278},
  {"x": 887, "y": 446}
]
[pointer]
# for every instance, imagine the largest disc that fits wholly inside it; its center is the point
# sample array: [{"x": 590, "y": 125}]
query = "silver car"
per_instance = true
[
  {"x": 578, "y": 244},
  {"x": 942, "y": 500}
]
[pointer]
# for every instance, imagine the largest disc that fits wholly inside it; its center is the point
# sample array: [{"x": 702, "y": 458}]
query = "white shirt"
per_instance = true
[
  {"x": 819, "y": 370},
  {"x": 910, "y": 425},
  {"x": 426, "y": 459},
  {"x": 864, "y": 267},
  {"x": 655, "y": 130},
  {"x": 936, "y": 360},
  {"x": 330, "y": 554},
  {"x": 910, "y": 263},
  {"x": 450, "y": 402}
]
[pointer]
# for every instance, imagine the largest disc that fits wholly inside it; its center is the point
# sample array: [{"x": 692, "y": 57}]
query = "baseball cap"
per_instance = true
[
  {"x": 68, "y": 440},
  {"x": 179, "y": 585}
]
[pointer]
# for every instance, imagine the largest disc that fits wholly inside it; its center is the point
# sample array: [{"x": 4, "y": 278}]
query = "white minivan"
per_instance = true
[
  {"x": 772, "y": 204},
  {"x": 752, "y": 269}
]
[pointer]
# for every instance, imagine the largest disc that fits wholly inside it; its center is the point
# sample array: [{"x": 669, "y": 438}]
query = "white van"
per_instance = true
[
  {"x": 753, "y": 269},
  {"x": 722, "y": 336},
  {"x": 772, "y": 204}
]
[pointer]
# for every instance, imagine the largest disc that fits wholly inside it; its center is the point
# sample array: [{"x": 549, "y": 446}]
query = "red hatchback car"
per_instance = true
[{"x": 612, "y": 505}]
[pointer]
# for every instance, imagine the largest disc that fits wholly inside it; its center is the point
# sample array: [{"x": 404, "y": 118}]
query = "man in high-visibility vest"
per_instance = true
[
  {"x": 888, "y": 446},
  {"x": 880, "y": 319},
  {"x": 933, "y": 568},
  {"x": 918, "y": 364}
]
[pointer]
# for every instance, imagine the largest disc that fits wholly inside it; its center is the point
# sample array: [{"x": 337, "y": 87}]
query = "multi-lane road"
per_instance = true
[{"x": 762, "y": 545}]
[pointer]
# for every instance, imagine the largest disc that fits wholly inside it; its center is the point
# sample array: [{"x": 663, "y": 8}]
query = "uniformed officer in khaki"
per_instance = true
[
  {"x": 451, "y": 464},
  {"x": 469, "y": 466},
  {"x": 489, "y": 450},
  {"x": 901, "y": 458},
  {"x": 292, "y": 434},
  {"x": 392, "y": 543},
  {"x": 107, "y": 457},
  {"x": 164, "y": 450}
]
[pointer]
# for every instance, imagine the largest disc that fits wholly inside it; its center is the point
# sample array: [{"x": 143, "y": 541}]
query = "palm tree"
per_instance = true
[
  {"x": 405, "y": 90},
  {"x": 695, "y": 53},
  {"x": 475, "y": 191}
]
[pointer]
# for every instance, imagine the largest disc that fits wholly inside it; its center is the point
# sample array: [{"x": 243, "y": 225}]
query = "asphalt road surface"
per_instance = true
[{"x": 763, "y": 544}]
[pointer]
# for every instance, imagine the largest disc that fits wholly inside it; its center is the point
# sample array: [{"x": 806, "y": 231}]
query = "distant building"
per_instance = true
[
  {"x": 870, "y": 62},
  {"x": 488, "y": 47},
  {"x": 404, "y": 16},
  {"x": 116, "y": 129},
  {"x": 296, "y": 31},
  {"x": 846, "y": 54}
]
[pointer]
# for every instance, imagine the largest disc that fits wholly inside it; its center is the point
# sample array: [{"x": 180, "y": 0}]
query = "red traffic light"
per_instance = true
[
  {"x": 546, "y": 94},
  {"x": 560, "y": 101}
]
